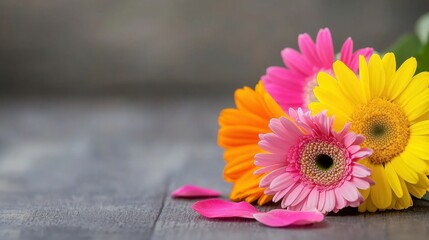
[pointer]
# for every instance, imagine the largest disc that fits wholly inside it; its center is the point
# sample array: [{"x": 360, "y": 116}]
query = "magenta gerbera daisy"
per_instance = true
[
  {"x": 292, "y": 86},
  {"x": 310, "y": 165}
]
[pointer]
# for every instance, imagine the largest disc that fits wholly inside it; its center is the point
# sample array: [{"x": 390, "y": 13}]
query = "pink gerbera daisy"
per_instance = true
[
  {"x": 293, "y": 86},
  {"x": 311, "y": 166}
]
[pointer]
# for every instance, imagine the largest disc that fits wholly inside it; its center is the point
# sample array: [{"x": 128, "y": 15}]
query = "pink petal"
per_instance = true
[
  {"x": 346, "y": 53},
  {"x": 329, "y": 201},
  {"x": 294, "y": 60},
  {"x": 281, "y": 181},
  {"x": 359, "y": 140},
  {"x": 366, "y": 52},
  {"x": 325, "y": 48},
  {"x": 284, "y": 218},
  {"x": 190, "y": 191},
  {"x": 218, "y": 208},
  {"x": 266, "y": 181},
  {"x": 290, "y": 198},
  {"x": 312, "y": 199},
  {"x": 285, "y": 86},
  {"x": 363, "y": 153},
  {"x": 348, "y": 191},
  {"x": 353, "y": 149},
  {"x": 362, "y": 183},
  {"x": 339, "y": 200},
  {"x": 321, "y": 202},
  {"x": 360, "y": 170},
  {"x": 308, "y": 49},
  {"x": 344, "y": 131},
  {"x": 349, "y": 139}
]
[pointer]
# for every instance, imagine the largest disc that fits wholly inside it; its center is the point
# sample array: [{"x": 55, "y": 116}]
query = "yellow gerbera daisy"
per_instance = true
[
  {"x": 239, "y": 136},
  {"x": 391, "y": 109}
]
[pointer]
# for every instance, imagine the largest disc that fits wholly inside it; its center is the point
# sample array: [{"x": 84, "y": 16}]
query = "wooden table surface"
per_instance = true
[{"x": 105, "y": 168}]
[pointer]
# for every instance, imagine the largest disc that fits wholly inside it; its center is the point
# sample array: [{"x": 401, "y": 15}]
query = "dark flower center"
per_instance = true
[{"x": 324, "y": 162}]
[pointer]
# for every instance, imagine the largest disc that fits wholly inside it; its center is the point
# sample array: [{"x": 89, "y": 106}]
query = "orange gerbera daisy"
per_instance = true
[{"x": 239, "y": 136}]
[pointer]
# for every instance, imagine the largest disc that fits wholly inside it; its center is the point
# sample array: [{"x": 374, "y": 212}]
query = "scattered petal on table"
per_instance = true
[
  {"x": 190, "y": 191},
  {"x": 283, "y": 218},
  {"x": 218, "y": 208}
]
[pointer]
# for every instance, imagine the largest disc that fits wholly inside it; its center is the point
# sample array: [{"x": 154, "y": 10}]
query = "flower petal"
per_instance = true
[
  {"x": 191, "y": 191},
  {"x": 325, "y": 47},
  {"x": 346, "y": 52},
  {"x": 218, "y": 208},
  {"x": 284, "y": 218}
]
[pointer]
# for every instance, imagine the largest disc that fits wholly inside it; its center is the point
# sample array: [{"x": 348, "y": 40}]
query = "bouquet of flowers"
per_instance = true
[{"x": 326, "y": 131}]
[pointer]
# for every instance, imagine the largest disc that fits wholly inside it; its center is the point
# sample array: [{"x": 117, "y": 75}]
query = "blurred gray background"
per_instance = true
[{"x": 173, "y": 47}]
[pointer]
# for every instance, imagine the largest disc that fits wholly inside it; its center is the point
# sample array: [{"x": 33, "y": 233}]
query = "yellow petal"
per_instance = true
[
  {"x": 420, "y": 128},
  {"x": 335, "y": 103},
  {"x": 414, "y": 162},
  {"x": 370, "y": 207},
  {"x": 403, "y": 171},
  {"x": 364, "y": 77},
  {"x": 381, "y": 193},
  {"x": 405, "y": 201},
  {"x": 329, "y": 92},
  {"x": 348, "y": 83},
  {"x": 340, "y": 118},
  {"x": 364, "y": 192},
  {"x": 417, "y": 106},
  {"x": 423, "y": 182},
  {"x": 416, "y": 191},
  {"x": 389, "y": 64},
  {"x": 402, "y": 77},
  {"x": 376, "y": 76},
  {"x": 362, "y": 206},
  {"x": 394, "y": 200},
  {"x": 417, "y": 85},
  {"x": 393, "y": 179}
]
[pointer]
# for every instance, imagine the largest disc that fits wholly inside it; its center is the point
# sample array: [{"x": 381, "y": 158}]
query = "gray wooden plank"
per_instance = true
[{"x": 92, "y": 170}]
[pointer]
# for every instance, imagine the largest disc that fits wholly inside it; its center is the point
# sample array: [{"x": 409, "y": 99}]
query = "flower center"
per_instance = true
[
  {"x": 385, "y": 127},
  {"x": 308, "y": 91},
  {"x": 322, "y": 162}
]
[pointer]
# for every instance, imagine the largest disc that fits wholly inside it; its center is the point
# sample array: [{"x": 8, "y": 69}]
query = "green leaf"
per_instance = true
[
  {"x": 407, "y": 46},
  {"x": 423, "y": 59},
  {"x": 422, "y": 28}
]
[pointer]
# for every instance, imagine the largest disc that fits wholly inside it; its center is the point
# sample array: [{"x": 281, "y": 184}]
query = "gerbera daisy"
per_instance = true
[
  {"x": 293, "y": 86},
  {"x": 390, "y": 108},
  {"x": 239, "y": 136},
  {"x": 310, "y": 165}
]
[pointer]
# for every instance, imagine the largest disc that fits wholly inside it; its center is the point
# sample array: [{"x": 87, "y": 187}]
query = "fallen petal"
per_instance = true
[
  {"x": 190, "y": 191},
  {"x": 218, "y": 208},
  {"x": 283, "y": 218}
]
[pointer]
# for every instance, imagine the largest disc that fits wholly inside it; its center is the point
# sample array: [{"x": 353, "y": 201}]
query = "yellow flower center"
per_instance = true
[{"x": 385, "y": 127}]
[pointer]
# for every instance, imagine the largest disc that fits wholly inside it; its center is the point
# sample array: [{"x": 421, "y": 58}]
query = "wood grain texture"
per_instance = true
[{"x": 104, "y": 169}]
